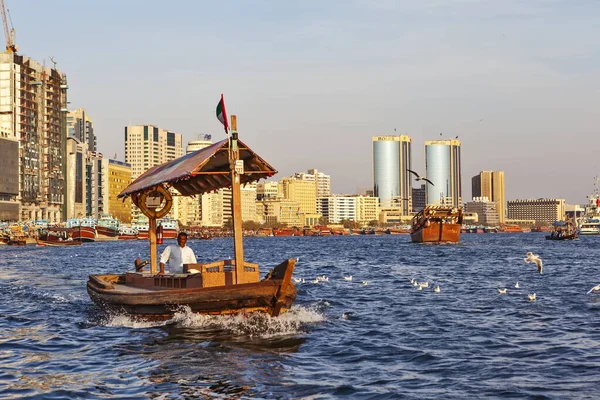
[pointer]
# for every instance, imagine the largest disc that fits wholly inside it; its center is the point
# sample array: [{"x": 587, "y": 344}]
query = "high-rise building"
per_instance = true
[
  {"x": 303, "y": 191},
  {"x": 490, "y": 184},
  {"x": 76, "y": 177},
  {"x": 33, "y": 101},
  {"x": 81, "y": 127},
  {"x": 116, "y": 176},
  {"x": 322, "y": 181},
  {"x": 268, "y": 189},
  {"x": 147, "y": 146},
  {"x": 442, "y": 167},
  {"x": 391, "y": 179},
  {"x": 418, "y": 198}
]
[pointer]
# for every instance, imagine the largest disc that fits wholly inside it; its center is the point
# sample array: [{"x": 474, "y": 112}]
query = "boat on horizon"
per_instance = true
[{"x": 436, "y": 224}]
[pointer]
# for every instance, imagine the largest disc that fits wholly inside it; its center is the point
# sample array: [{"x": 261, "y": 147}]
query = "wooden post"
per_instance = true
[
  {"x": 236, "y": 204},
  {"x": 152, "y": 238}
]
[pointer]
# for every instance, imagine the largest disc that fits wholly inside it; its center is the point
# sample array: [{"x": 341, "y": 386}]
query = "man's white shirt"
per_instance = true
[{"x": 177, "y": 256}]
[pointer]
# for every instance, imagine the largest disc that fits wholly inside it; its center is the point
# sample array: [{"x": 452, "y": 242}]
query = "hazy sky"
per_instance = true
[{"x": 312, "y": 81}]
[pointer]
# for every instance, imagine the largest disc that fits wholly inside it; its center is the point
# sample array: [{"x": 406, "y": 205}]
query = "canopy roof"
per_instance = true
[{"x": 202, "y": 171}]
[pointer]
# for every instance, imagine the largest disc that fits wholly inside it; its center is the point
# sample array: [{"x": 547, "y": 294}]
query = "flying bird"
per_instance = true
[
  {"x": 517, "y": 285},
  {"x": 594, "y": 289},
  {"x": 437, "y": 289},
  {"x": 348, "y": 278},
  {"x": 419, "y": 177},
  {"x": 531, "y": 297},
  {"x": 530, "y": 257},
  {"x": 502, "y": 291}
]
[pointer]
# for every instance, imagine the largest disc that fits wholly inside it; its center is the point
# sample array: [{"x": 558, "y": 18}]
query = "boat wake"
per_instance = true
[{"x": 252, "y": 324}]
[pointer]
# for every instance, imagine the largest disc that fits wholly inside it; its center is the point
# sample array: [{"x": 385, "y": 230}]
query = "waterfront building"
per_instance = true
[
  {"x": 442, "y": 167},
  {"x": 269, "y": 189},
  {"x": 278, "y": 210},
  {"x": 490, "y": 184},
  {"x": 337, "y": 208},
  {"x": 321, "y": 181},
  {"x": 367, "y": 209},
  {"x": 391, "y": 180},
  {"x": 543, "y": 211},
  {"x": 116, "y": 176},
  {"x": 33, "y": 100},
  {"x": 300, "y": 190},
  {"x": 485, "y": 210}
]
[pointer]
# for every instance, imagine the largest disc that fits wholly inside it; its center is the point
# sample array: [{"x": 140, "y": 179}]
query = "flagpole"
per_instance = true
[{"x": 236, "y": 202}]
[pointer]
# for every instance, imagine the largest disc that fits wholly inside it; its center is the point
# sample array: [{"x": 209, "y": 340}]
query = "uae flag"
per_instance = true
[{"x": 222, "y": 114}]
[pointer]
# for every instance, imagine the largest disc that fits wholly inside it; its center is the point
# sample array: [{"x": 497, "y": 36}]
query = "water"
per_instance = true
[{"x": 385, "y": 339}]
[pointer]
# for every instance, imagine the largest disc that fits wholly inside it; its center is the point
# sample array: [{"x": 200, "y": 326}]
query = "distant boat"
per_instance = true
[
  {"x": 437, "y": 223},
  {"x": 590, "y": 226},
  {"x": 563, "y": 230}
]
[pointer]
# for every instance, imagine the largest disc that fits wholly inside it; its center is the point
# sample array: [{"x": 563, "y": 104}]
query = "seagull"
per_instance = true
[
  {"x": 298, "y": 280},
  {"x": 517, "y": 285},
  {"x": 594, "y": 289},
  {"x": 531, "y": 297},
  {"x": 424, "y": 284},
  {"x": 365, "y": 283},
  {"x": 437, "y": 289},
  {"x": 315, "y": 281},
  {"x": 348, "y": 278},
  {"x": 534, "y": 258},
  {"x": 502, "y": 291},
  {"x": 419, "y": 177}
]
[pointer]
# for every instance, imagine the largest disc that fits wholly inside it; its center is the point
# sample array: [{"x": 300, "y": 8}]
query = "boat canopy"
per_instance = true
[
  {"x": 202, "y": 171},
  {"x": 562, "y": 223}
]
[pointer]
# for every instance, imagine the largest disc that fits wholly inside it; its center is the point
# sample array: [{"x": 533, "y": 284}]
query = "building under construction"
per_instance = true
[{"x": 33, "y": 106}]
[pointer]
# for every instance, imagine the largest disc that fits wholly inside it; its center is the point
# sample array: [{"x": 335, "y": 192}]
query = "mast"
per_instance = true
[{"x": 236, "y": 168}]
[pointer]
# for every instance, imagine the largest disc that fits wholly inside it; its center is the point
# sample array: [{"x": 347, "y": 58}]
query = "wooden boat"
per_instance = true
[
  {"x": 510, "y": 228},
  {"x": 17, "y": 241},
  {"x": 56, "y": 243},
  {"x": 437, "y": 223},
  {"x": 563, "y": 230},
  {"x": 221, "y": 287}
]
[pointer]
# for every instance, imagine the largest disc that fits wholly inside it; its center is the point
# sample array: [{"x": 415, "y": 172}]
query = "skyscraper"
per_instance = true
[
  {"x": 442, "y": 167},
  {"x": 490, "y": 184},
  {"x": 33, "y": 101},
  {"x": 391, "y": 180}
]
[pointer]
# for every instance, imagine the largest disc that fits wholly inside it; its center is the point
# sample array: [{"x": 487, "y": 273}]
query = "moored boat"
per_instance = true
[
  {"x": 108, "y": 226},
  {"x": 221, "y": 287},
  {"x": 58, "y": 243},
  {"x": 437, "y": 223}
]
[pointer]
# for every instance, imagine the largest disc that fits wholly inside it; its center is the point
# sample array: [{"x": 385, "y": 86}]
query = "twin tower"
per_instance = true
[{"x": 392, "y": 181}]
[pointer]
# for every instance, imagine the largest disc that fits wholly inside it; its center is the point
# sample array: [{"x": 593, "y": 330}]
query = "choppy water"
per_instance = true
[{"x": 385, "y": 339}]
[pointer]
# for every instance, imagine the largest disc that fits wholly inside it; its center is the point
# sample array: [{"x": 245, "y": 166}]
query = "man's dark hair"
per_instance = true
[{"x": 184, "y": 234}]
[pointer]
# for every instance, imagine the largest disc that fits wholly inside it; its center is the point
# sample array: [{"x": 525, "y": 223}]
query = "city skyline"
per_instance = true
[{"x": 311, "y": 83}]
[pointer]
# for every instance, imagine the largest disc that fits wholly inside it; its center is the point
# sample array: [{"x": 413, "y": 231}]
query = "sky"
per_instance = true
[{"x": 311, "y": 82}]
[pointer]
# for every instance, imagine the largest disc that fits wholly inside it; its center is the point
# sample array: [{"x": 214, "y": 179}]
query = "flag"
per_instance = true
[{"x": 222, "y": 114}]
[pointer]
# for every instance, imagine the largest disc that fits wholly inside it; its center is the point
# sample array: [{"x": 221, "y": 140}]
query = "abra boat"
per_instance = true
[
  {"x": 221, "y": 287},
  {"x": 437, "y": 223},
  {"x": 563, "y": 230}
]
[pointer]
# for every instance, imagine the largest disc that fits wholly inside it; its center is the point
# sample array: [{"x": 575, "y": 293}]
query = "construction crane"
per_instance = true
[{"x": 11, "y": 47}]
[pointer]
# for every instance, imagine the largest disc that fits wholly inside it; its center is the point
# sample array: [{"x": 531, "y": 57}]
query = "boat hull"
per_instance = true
[
  {"x": 159, "y": 297},
  {"x": 84, "y": 234},
  {"x": 57, "y": 243},
  {"x": 437, "y": 232}
]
